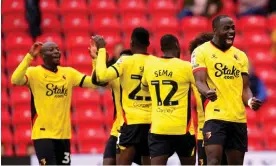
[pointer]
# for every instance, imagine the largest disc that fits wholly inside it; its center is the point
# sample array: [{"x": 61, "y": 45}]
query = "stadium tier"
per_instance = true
[{"x": 70, "y": 23}]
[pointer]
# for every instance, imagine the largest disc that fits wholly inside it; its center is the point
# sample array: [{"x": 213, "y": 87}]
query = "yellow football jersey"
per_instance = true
[
  {"x": 116, "y": 94},
  {"x": 169, "y": 82},
  {"x": 136, "y": 103},
  {"x": 225, "y": 71},
  {"x": 51, "y": 94}
]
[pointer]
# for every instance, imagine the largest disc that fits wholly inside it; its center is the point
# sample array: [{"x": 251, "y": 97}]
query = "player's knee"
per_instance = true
[{"x": 213, "y": 161}]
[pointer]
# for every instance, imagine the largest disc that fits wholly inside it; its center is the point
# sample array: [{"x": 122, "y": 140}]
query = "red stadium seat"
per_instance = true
[
  {"x": 111, "y": 41},
  {"x": 239, "y": 42},
  {"x": 22, "y": 135},
  {"x": 194, "y": 24},
  {"x": 18, "y": 42},
  {"x": 162, "y": 8},
  {"x": 252, "y": 117},
  {"x": 13, "y": 60},
  {"x": 266, "y": 74},
  {"x": 20, "y": 95},
  {"x": 5, "y": 117},
  {"x": 254, "y": 133},
  {"x": 6, "y": 135},
  {"x": 75, "y": 24},
  {"x": 103, "y": 7},
  {"x": 86, "y": 96},
  {"x": 87, "y": 134},
  {"x": 4, "y": 81},
  {"x": 188, "y": 37},
  {"x": 22, "y": 115},
  {"x": 132, "y": 8},
  {"x": 21, "y": 150},
  {"x": 73, "y": 149},
  {"x": 50, "y": 23},
  {"x": 51, "y": 37},
  {"x": 106, "y": 25},
  {"x": 252, "y": 24},
  {"x": 8, "y": 151},
  {"x": 79, "y": 59},
  {"x": 271, "y": 92},
  {"x": 79, "y": 42},
  {"x": 272, "y": 22},
  {"x": 73, "y": 6},
  {"x": 87, "y": 116},
  {"x": 268, "y": 113},
  {"x": 4, "y": 98},
  {"x": 261, "y": 59},
  {"x": 132, "y": 22},
  {"x": 15, "y": 6},
  {"x": 257, "y": 40},
  {"x": 14, "y": 23},
  {"x": 229, "y": 7},
  {"x": 255, "y": 145},
  {"x": 166, "y": 25},
  {"x": 93, "y": 148},
  {"x": 48, "y": 7}
]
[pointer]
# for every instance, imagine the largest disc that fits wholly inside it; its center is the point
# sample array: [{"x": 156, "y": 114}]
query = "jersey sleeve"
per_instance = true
[
  {"x": 245, "y": 66},
  {"x": 81, "y": 80},
  {"x": 22, "y": 74},
  {"x": 198, "y": 60},
  {"x": 105, "y": 74}
]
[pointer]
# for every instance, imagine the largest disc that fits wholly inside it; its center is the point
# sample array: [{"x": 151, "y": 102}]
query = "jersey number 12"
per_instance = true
[{"x": 167, "y": 101}]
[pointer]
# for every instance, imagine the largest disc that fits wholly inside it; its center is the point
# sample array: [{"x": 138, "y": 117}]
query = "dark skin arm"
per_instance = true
[
  {"x": 247, "y": 94},
  {"x": 201, "y": 84}
]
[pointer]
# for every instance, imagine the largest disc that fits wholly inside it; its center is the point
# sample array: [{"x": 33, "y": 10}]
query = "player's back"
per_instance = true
[
  {"x": 135, "y": 102},
  {"x": 169, "y": 82}
]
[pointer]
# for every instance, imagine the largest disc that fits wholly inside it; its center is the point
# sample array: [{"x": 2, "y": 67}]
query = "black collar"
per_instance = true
[
  {"x": 222, "y": 49},
  {"x": 50, "y": 69}
]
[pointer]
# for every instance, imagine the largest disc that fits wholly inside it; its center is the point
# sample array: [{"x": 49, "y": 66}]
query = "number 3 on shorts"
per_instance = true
[{"x": 66, "y": 158}]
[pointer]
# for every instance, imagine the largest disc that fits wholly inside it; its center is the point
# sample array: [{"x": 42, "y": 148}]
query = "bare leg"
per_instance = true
[
  {"x": 127, "y": 156},
  {"x": 188, "y": 160},
  {"x": 214, "y": 154},
  {"x": 109, "y": 161},
  {"x": 159, "y": 160},
  {"x": 235, "y": 157}
]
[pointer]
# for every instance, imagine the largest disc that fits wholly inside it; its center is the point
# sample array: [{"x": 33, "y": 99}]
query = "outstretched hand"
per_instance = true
[
  {"x": 99, "y": 41},
  {"x": 35, "y": 49}
]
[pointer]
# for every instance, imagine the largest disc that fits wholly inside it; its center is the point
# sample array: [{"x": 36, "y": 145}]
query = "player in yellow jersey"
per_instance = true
[
  {"x": 221, "y": 74},
  {"x": 51, "y": 89},
  {"x": 169, "y": 80},
  {"x": 136, "y": 103},
  {"x": 202, "y": 160}
]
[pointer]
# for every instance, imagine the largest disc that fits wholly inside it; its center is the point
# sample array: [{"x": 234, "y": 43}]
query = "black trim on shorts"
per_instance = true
[
  {"x": 82, "y": 80},
  {"x": 116, "y": 71}
]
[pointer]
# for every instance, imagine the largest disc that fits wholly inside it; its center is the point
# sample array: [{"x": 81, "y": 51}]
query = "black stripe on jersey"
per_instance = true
[
  {"x": 115, "y": 109},
  {"x": 33, "y": 109},
  {"x": 82, "y": 80},
  {"x": 115, "y": 70},
  {"x": 189, "y": 107},
  {"x": 95, "y": 82},
  {"x": 244, "y": 73}
]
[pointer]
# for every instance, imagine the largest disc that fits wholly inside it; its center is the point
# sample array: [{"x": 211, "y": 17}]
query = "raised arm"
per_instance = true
[
  {"x": 21, "y": 75},
  {"x": 105, "y": 74}
]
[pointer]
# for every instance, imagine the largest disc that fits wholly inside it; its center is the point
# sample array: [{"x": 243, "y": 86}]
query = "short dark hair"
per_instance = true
[
  {"x": 140, "y": 36},
  {"x": 168, "y": 42},
  {"x": 126, "y": 52},
  {"x": 217, "y": 19},
  {"x": 200, "y": 39}
]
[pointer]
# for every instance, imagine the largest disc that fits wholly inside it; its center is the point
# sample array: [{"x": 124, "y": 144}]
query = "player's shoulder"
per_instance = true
[
  {"x": 67, "y": 69},
  {"x": 184, "y": 64},
  {"x": 239, "y": 53},
  {"x": 36, "y": 69},
  {"x": 202, "y": 47}
]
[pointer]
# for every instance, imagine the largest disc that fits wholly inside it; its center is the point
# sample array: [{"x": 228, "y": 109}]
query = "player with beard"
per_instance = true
[
  {"x": 221, "y": 74},
  {"x": 51, "y": 88}
]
